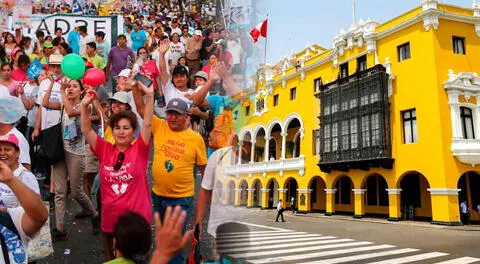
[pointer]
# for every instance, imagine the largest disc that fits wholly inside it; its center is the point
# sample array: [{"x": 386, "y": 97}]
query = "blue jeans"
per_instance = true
[{"x": 161, "y": 203}]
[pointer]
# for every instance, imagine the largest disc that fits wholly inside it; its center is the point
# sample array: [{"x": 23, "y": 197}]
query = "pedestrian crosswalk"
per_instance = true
[{"x": 287, "y": 246}]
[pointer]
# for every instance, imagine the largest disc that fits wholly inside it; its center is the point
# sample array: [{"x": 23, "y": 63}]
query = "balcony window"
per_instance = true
[
  {"x": 362, "y": 63},
  {"x": 293, "y": 93},
  {"x": 353, "y": 103},
  {"x": 467, "y": 123},
  {"x": 334, "y": 108},
  {"x": 344, "y": 70},
  {"x": 275, "y": 100},
  {"x": 326, "y": 110},
  {"x": 334, "y": 136},
  {"x": 344, "y": 105},
  {"x": 403, "y": 51},
  {"x": 316, "y": 142},
  {"x": 364, "y": 100},
  {"x": 353, "y": 133},
  {"x": 458, "y": 45},
  {"x": 375, "y": 122},
  {"x": 326, "y": 138},
  {"x": 365, "y": 131},
  {"x": 345, "y": 135},
  {"x": 317, "y": 84},
  {"x": 373, "y": 97},
  {"x": 409, "y": 126}
]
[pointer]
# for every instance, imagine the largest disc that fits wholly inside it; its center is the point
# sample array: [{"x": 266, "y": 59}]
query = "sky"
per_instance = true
[{"x": 294, "y": 23}]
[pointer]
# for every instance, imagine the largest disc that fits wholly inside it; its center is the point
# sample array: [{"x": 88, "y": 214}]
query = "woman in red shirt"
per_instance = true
[{"x": 123, "y": 165}]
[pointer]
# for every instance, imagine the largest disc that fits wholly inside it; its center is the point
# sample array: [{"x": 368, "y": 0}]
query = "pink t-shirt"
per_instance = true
[
  {"x": 19, "y": 75},
  {"x": 150, "y": 69},
  {"x": 126, "y": 189}
]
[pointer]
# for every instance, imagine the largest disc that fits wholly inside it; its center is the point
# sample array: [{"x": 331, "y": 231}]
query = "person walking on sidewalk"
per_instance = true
[
  {"x": 464, "y": 212},
  {"x": 292, "y": 204},
  {"x": 280, "y": 210}
]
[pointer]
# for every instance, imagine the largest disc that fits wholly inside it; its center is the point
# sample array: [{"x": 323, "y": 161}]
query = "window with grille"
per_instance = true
[
  {"x": 334, "y": 108},
  {"x": 353, "y": 103},
  {"x": 293, "y": 93},
  {"x": 317, "y": 84},
  {"x": 364, "y": 100},
  {"x": 275, "y": 100},
  {"x": 373, "y": 97},
  {"x": 344, "y": 190},
  {"x": 365, "y": 131},
  {"x": 467, "y": 123},
  {"x": 345, "y": 135},
  {"x": 403, "y": 51},
  {"x": 326, "y": 110},
  {"x": 334, "y": 136},
  {"x": 353, "y": 133},
  {"x": 375, "y": 124},
  {"x": 409, "y": 126},
  {"x": 326, "y": 138},
  {"x": 316, "y": 142},
  {"x": 362, "y": 63},
  {"x": 344, "y": 70},
  {"x": 344, "y": 105},
  {"x": 458, "y": 45}
]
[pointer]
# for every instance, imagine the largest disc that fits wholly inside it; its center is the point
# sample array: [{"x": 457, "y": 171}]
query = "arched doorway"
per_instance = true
[
  {"x": 243, "y": 193},
  {"x": 246, "y": 148},
  {"x": 291, "y": 185},
  {"x": 272, "y": 185},
  {"x": 469, "y": 185},
  {"x": 231, "y": 193},
  {"x": 296, "y": 145},
  {"x": 259, "y": 149},
  {"x": 272, "y": 149},
  {"x": 318, "y": 195},
  {"x": 415, "y": 200},
  {"x": 275, "y": 143},
  {"x": 344, "y": 197},
  {"x": 293, "y": 139},
  {"x": 376, "y": 196},
  {"x": 257, "y": 193}
]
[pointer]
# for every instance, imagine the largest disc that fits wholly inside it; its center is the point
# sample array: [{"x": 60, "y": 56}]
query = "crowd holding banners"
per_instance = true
[{"x": 105, "y": 128}]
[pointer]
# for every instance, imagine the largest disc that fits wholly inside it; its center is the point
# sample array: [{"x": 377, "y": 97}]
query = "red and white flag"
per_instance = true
[{"x": 259, "y": 30}]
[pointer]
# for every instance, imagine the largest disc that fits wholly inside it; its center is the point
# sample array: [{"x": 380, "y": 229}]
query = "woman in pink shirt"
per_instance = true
[
  {"x": 147, "y": 67},
  {"x": 6, "y": 82},
  {"x": 123, "y": 165}
]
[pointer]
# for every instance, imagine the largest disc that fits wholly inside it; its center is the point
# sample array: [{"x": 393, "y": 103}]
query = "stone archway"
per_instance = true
[
  {"x": 291, "y": 185},
  {"x": 344, "y": 196},
  {"x": 469, "y": 185},
  {"x": 272, "y": 185},
  {"x": 416, "y": 203},
  {"x": 318, "y": 195},
  {"x": 376, "y": 195},
  {"x": 243, "y": 193},
  {"x": 257, "y": 193}
]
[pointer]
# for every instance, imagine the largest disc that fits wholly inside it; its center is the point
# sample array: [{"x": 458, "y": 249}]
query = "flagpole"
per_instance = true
[
  {"x": 354, "y": 11},
  {"x": 266, "y": 40}
]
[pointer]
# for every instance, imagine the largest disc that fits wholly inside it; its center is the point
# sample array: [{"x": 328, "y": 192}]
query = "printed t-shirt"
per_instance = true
[
  {"x": 138, "y": 39},
  {"x": 8, "y": 199},
  {"x": 96, "y": 60},
  {"x": 49, "y": 117},
  {"x": 170, "y": 92},
  {"x": 175, "y": 155},
  {"x": 73, "y": 139},
  {"x": 150, "y": 69},
  {"x": 126, "y": 189},
  {"x": 15, "y": 238},
  {"x": 177, "y": 50}
]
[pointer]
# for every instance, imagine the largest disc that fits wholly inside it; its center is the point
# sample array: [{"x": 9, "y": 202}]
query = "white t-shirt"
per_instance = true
[
  {"x": 24, "y": 146},
  {"x": 176, "y": 30},
  {"x": 17, "y": 242},
  {"x": 83, "y": 43},
  {"x": 212, "y": 178},
  {"x": 170, "y": 92},
  {"x": 7, "y": 198},
  {"x": 31, "y": 92},
  {"x": 49, "y": 117},
  {"x": 4, "y": 91},
  {"x": 156, "y": 56},
  {"x": 177, "y": 50}
]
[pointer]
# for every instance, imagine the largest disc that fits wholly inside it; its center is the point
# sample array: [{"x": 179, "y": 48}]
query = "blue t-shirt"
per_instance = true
[
  {"x": 73, "y": 39},
  {"x": 217, "y": 101},
  {"x": 138, "y": 39}
]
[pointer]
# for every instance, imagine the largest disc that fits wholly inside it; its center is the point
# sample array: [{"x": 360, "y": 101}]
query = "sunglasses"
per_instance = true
[{"x": 119, "y": 162}]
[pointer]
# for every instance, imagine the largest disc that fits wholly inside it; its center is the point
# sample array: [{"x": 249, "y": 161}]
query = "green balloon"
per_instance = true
[{"x": 73, "y": 66}]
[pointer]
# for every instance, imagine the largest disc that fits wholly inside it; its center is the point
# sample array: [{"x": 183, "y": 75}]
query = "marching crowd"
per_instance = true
[{"x": 166, "y": 97}]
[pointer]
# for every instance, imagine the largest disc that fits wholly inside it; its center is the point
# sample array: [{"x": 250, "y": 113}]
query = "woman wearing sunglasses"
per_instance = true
[{"x": 123, "y": 165}]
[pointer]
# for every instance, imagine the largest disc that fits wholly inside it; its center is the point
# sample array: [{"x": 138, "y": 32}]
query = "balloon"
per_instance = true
[
  {"x": 93, "y": 77},
  {"x": 11, "y": 109},
  {"x": 73, "y": 66}
]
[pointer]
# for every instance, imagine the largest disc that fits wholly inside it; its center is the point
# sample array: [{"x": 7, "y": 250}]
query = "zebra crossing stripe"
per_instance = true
[
  {"x": 464, "y": 260},
  {"x": 318, "y": 254},
  {"x": 413, "y": 258},
  {"x": 247, "y": 244},
  {"x": 363, "y": 256},
  {"x": 255, "y": 225},
  {"x": 253, "y": 232},
  {"x": 261, "y": 235},
  {"x": 294, "y": 250},
  {"x": 263, "y": 238},
  {"x": 233, "y": 250}
]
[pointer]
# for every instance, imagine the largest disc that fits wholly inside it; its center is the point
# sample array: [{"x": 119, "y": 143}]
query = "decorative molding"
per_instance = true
[
  {"x": 238, "y": 190},
  {"x": 429, "y": 4},
  {"x": 251, "y": 190},
  {"x": 265, "y": 190},
  {"x": 294, "y": 164},
  {"x": 359, "y": 191},
  {"x": 391, "y": 76},
  {"x": 443, "y": 191},
  {"x": 331, "y": 191},
  {"x": 429, "y": 21},
  {"x": 304, "y": 190},
  {"x": 282, "y": 190},
  {"x": 394, "y": 191}
]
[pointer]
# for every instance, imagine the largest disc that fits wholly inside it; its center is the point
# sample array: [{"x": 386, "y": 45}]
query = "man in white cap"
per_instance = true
[{"x": 192, "y": 51}]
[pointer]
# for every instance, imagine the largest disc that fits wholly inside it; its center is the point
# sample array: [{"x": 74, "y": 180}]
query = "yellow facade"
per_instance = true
[{"x": 431, "y": 167}]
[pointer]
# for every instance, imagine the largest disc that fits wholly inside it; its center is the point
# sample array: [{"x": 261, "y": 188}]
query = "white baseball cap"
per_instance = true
[
  {"x": 197, "y": 33},
  {"x": 124, "y": 73}
]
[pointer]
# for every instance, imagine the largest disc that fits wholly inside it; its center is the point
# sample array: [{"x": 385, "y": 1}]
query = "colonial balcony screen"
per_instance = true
[{"x": 355, "y": 122}]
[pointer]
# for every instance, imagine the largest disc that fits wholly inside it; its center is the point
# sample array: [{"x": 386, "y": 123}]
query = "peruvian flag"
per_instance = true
[{"x": 259, "y": 30}]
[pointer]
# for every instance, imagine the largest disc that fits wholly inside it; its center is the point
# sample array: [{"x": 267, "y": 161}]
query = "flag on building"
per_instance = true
[
  {"x": 77, "y": 7},
  {"x": 259, "y": 30},
  {"x": 34, "y": 69}
]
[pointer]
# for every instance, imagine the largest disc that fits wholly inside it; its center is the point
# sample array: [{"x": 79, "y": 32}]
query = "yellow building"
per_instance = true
[{"x": 385, "y": 123}]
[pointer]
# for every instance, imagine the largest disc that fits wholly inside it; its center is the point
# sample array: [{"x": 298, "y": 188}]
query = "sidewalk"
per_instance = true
[{"x": 379, "y": 220}]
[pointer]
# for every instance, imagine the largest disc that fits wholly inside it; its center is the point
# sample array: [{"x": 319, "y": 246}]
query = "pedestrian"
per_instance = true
[
  {"x": 119, "y": 58},
  {"x": 192, "y": 51},
  {"x": 464, "y": 212},
  {"x": 123, "y": 165},
  {"x": 292, "y": 203},
  {"x": 84, "y": 39},
  {"x": 280, "y": 210},
  {"x": 138, "y": 36}
]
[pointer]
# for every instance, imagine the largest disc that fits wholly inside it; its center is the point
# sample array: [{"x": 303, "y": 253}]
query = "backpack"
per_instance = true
[{"x": 222, "y": 130}]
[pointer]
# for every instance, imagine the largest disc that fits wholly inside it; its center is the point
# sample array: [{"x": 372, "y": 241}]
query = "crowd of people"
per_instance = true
[{"x": 168, "y": 80}]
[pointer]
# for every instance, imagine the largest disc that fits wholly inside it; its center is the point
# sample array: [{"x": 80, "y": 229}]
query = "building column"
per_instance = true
[
  {"x": 282, "y": 195},
  {"x": 238, "y": 197},
  {"x": 359, "y": 207},
  {"x": 240, "y": 152},
  {"x": 250, "y": 198},
  {"x": 476, "y": 120},
  {"x": 252, "y": 154},
  {"x": 304, "y": 200},
  {"x": 394, "y": 205},
  {"x": 330, "y": 206},
  {"x": 265, "y": 198},
  {"x": 453, "y": 101},
  {"x": 226, "y": 195},
  {"x": 445, "y": 210},
  {"x": 267, "y": 146},
  {"x": 284, "y": 144}
]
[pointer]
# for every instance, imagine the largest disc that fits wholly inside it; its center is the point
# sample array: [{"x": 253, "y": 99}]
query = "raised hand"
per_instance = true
[
  {"x": 6, "y": 173},
  {"x": 164, "y": 46},
  {"x": 89, "y": 97},
  {"x": 221, "y": 69}
]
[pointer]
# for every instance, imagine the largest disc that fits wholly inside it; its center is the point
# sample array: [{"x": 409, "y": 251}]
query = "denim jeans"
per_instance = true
[{"x": 161, "y": 203}]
